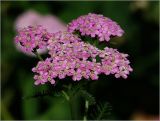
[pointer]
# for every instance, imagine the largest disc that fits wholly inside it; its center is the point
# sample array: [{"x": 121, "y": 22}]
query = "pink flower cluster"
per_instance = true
[
  {"x": 31, "y": 38},
  {"x": 96, "y": 25},
  {"x": 70, "y": 56},
  {"x": 44, "y": 71},
  {"x": 114, "y": 62},
  {"x": 31, "y": 17}
]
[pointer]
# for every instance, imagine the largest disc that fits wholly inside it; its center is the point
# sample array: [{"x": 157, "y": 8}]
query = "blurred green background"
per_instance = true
[{"x": 134, "y": 98}]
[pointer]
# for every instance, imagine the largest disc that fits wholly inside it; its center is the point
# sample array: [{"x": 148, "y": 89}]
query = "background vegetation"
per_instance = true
[{"x": 136, "y": 96}]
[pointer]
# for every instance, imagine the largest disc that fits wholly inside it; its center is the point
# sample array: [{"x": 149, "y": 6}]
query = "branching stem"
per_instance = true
[
  {"x": 86, "y": 110},
  {"x": 38, "y": 55},
  {"x": 65, "y": 95},
  {"x": 70, "y": 103}
]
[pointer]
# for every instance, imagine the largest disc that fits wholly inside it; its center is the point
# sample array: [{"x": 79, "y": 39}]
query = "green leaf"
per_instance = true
[
  {"x": 101, "y": 111},
  {"x": 87, "y": 96}
]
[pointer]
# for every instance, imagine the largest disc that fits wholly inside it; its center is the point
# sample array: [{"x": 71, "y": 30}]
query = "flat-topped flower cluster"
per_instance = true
[
  {"x": 71, "y": 56},
  {"x": 96, "y": 25},
  {"x": 32, "y": 37}
]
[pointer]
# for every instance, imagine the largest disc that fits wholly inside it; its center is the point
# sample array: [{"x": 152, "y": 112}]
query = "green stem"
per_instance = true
[
  {"x": 86, "y": 110},
  {"x": 70, "y": 103},
  {"x": 38, "y": 55},
  {"x": 65, "y": 95},
  {"x": 71, "y": 109}
]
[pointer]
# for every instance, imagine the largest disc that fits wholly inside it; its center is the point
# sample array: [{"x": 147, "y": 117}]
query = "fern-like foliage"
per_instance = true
[
  {"x": 75, "y": 89},
  {"x": 87, "y": 96},
  {"x": 101, "y": 111},
  {"x": 43, "y": 93}
]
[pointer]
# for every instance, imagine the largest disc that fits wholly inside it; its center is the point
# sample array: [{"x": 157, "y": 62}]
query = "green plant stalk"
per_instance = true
[
  {"x": 65, "y": 95},
  {"x": 38, "y": 55},
  {"x": 70, "y": 102},
  {"x": 86, "y": 110},
  {"x": 71, "y": 109}
]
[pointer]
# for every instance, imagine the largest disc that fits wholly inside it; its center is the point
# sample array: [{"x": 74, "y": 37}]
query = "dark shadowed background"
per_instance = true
[{"x": 137, "y": 97}]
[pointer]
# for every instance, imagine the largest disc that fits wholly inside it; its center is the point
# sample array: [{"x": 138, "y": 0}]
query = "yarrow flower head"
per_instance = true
[
  {"x": 114, "y": 62},
  {"x": 30, "y": 17},
  {"x": 95, "y": 25},
  {"x": 70, "y": 56},
  {"x": 44, "y": 71},
  {"x": 32, "y": 38}
]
